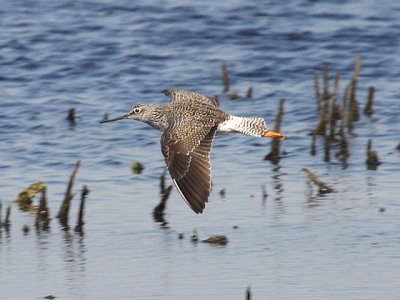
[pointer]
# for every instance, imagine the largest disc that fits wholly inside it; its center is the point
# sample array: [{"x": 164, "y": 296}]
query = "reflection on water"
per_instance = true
[
  {"x": 277, "y": 184},
  {"x": 74, "y": 263}
]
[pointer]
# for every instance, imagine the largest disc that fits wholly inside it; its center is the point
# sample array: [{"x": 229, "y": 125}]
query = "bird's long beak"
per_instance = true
[
  {"x": 273, "y": 134},
  {"x": 115, "y": 119}
]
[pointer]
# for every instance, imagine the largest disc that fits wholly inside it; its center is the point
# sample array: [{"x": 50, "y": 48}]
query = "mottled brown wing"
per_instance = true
[
  {"x": 190, "y": 170},
  {"x": 182, "y": 95}
]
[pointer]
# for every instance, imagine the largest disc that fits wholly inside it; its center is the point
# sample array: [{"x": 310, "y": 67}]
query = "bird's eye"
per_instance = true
[{"x": 136, "y": 110}]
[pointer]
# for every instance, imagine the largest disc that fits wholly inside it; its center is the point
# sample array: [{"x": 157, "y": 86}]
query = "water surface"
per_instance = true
[{"x": 106, "y": 56}]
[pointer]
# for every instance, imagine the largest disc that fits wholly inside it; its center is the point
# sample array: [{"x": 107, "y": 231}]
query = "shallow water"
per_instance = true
[{"x": 105, "y": 56}]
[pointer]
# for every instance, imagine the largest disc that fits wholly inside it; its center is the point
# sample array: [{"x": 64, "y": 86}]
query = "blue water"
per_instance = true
[{"x": 105, "y": 56}]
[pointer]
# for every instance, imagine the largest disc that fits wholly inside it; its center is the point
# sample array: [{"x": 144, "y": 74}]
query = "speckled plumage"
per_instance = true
[{"x": 189, "y": 122}]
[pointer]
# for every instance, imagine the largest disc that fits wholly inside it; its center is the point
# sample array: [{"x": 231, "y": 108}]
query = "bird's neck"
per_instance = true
[{"x": 159, "y": 118}]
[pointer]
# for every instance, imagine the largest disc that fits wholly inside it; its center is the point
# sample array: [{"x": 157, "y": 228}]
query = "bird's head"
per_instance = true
[{"x": 140, "y": 112}]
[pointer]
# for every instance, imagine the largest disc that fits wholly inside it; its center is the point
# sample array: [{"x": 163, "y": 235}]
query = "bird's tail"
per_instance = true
[{"x": 251, "y": 126}]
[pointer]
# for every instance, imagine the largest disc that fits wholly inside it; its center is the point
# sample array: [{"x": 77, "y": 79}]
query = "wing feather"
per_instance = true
[
  {"x": 190, "y": 167},
  {"x": 182, "y": 95}
]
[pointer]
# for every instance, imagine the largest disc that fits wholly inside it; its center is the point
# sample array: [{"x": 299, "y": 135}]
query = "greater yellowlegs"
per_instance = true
[{"x": 189, "y": 122}]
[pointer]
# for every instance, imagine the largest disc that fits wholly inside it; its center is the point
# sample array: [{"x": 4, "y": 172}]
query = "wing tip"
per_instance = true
[
  {"x": 197, "y": 210},
  {"x": 165, "y": 92}
]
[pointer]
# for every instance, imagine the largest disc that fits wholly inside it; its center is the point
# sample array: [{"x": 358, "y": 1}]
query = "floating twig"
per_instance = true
[
  {"x": 323, "y": 188},
  {"x": 368, "y": 110},
  {"x": 372, "y": 157},
  {"x": 273, "y": 156},
  {"x": 42, "y": 215},
  {"x": 219, "y": 240},
  {"x": 64, "y": 209},
  {"x": 234, "y": 96},
  {"x": 224, "y": 77},
  {"x": 80, "y": 222}
]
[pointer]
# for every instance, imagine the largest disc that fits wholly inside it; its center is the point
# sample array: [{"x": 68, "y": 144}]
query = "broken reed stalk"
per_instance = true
[
  {"x": 324, "y": 110},
  {"x": 224, "y": 77},
  {"x": 326, "y": 83},
  {"x": 327, "y": 148},
  {"x": 334, "y": 114},
  {"x": 317, "y": 91},
  {"x": 71, "y": 116},
  {"x": 7, "y": 221},
  {"x": 353, "y": 109},
  {"x": 325, "y": 115},
  {"x": 248, "y": 293},
  {"x": 344, "y": 113},
  {"x": 343, "y": 118},
  {"x": 264, "y": 192},
  {"x": 194, "y": 238},
  {"x": 250, "y": 92},
  {"x": 313, "y": 143},
  {"x": 368, "y": 107},
  {"x": 349, "y": 118},
  {"x": 344, "y": 151},
  {"x": 80, "y": 222},
  {"x": 372, "y": 157},
  {"x": 64, "y": 209},
  {"x": 323, "y": 188},
  {"x": 273, "y": 156},
  {"x": 42, "y": 215}
]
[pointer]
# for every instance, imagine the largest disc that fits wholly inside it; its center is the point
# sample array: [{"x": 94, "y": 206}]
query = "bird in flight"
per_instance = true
[{"x": 189, "y": 123}]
